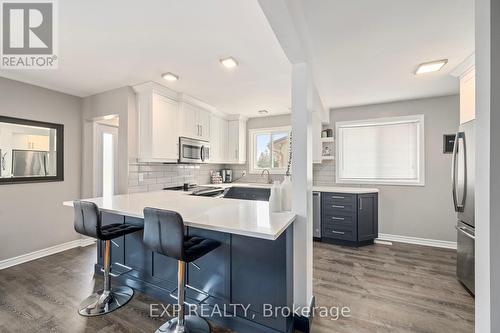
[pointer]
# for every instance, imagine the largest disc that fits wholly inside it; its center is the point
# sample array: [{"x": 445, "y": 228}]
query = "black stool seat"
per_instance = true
[
  {"x": 115, "y": 230},
  {"x": 88, "y": 222},
  {"x": 196, "y": 247},
  {"x": 164, "y": 233}
]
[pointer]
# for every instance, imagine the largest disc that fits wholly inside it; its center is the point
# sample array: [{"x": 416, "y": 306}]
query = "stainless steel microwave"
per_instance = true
[{"x": 193, "y": 151}]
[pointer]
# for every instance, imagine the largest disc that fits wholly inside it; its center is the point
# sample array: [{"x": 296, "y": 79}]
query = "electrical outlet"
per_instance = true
[{"x": 141, "y": 177}]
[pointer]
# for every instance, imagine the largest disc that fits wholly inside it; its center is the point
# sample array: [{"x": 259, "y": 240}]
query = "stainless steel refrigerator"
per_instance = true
[
  {"x": 29, "y": 163},
  {"x": 463, "y": 166}
]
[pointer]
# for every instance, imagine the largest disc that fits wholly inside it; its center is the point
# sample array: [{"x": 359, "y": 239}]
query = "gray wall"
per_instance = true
[
  {"x": 416, "y": 211},
  {"x": 32, "y": 216},
  {"x": 120, "y": 102}
]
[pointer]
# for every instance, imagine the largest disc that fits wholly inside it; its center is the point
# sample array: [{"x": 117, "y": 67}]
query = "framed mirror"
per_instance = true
[{"x": 30, "y": 151}]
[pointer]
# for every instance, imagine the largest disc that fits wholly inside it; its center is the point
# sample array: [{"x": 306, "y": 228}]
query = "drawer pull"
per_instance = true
[
  {"x": 336, "y": 206},
  {"x": 337, "y": 197},
  {"x": 338, "y": 232},
  {"x": 338, "y": 218}
]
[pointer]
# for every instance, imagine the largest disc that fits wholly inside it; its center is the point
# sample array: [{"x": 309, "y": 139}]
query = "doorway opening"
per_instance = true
[{"x": 106, "y": 156}]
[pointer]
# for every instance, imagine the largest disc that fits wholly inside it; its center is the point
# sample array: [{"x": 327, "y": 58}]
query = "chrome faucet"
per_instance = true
[{"x": 269, "y": 181}]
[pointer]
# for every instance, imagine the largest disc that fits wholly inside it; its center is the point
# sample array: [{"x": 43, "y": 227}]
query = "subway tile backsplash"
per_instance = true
[{"x": 147, "y": 177}]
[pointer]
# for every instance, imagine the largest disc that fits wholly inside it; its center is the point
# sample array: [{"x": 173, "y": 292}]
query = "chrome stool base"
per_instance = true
[
  {"x": 192, "y": 324},
  {"x": 103, "y": 302}
]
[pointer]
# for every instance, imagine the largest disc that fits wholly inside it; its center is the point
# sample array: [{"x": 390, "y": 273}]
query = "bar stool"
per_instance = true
[
  {"x": 88, "y": 222},
  {"x": 164, "y": 234}
]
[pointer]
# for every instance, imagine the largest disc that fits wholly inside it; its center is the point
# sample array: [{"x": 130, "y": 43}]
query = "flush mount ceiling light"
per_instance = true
[
  {"x": 263, "y": 112},
  {"x": 170, "y": 77},
  {"x": 429, "y": 67},
  {"x": 229, "y": 62}
]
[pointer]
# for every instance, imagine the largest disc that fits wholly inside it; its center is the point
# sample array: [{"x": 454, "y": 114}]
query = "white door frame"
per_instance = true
[{"x": 98, "y": 130}]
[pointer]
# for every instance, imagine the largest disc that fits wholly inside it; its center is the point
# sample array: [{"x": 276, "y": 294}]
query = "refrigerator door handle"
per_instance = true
[
  {"x": 458, "y": 207},
  {"x": 464, "y": 231}
]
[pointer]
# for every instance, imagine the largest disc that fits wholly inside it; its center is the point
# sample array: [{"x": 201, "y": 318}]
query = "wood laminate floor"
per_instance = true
[{"x": 399, "y": 288}]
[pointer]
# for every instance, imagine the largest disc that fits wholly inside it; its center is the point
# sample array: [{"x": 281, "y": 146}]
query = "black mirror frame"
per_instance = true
[{"x": 59, "y": 177}]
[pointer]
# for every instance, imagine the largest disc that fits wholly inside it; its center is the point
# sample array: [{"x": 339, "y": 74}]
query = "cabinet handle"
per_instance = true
[
  {"x": 338, "y": 218},
  {"x": 360, "y": 203},
  {"x": 337, "y": 197},
  {"x": 338, "y": 232},
  {"x": 201, "y": 130},
  {"x": 335, "y": 206}
]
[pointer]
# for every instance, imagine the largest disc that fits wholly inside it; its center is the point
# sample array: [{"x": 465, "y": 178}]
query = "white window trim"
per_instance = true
[
  {"x": 380, "y": 121},
  {"x": 251, "y": 134}
]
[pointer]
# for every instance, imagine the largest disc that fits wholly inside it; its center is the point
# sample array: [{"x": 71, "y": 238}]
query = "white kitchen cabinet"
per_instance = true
[
  {"x": 194, "y": 122},
  {"x": 237, "y": 143},
  {"x": 218, "y": 139},
  {"x": 316, "y": 138},
  {"x": 468, "y": 96},
  {"x": 158, "y": 119}
]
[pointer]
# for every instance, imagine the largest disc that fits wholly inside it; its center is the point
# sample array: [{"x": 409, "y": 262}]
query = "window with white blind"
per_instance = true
[{"x": 381, "y": 151}]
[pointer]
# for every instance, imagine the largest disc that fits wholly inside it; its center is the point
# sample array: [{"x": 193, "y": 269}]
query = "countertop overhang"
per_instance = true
[{"x": 241, "y": 217}]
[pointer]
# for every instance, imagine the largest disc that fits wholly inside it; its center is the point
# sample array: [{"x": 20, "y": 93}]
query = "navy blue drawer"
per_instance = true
[
  {"x": 338, "y": 201},
  {"x": 338, "y": 198},
  {"x": 338, "y": 217},
  {"x": 339, "y": 231}
]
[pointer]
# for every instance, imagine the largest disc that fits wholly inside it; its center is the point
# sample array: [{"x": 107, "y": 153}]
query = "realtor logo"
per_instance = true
[{"x": 28, "y": 34}]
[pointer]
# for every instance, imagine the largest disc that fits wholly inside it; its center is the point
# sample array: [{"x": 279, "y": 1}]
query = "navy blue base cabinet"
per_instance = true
[
  {"x": 243, "y": 270},
  {"x": 349, "y": 219}
]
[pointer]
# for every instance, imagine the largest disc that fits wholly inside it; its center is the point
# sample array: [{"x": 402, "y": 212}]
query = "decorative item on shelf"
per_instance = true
[
  {"x": 275, "y": 198},
  {"x": 327, "y": 133},
  {"x": 326, "y": 151},
  {"x": 215, "y": 177}
]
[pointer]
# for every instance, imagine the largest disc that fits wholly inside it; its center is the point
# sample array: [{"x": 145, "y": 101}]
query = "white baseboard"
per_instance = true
[
  {"x": 82, "y": 242},
  {"x": 417, "y": 241}
]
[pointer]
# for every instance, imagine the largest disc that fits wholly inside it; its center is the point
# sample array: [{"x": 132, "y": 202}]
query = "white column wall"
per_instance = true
[
  {"x": 302, "y": 185},
  {"x": 487, "y": 252}
]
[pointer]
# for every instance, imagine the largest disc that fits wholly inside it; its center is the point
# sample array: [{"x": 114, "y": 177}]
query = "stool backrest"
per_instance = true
[
  {"x": 87, "y": 219},
  {"x": 164, "y": 232}
]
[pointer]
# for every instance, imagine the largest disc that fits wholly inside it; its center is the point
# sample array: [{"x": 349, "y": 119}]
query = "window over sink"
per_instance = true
[
  {"x": 381, "y": 151},
  {"x": 269, "y": 149}
]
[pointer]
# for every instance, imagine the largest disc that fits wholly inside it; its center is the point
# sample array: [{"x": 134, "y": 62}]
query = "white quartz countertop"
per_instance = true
[
  {"x": 347, "y": 190},
  {"x": 336, "y": 189},
  {"x": 241, "y": 217}
]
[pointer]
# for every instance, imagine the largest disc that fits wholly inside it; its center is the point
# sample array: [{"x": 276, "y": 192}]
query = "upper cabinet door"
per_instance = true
[
  {"x": 468, "y": 96},
  {"x": 189, "y": 121},
  {"x": 165, "y": 139},
  {"x": 316, "y": 138},
  {"x": 215, "y": 142},
  {"x": 203, "y": 121}
]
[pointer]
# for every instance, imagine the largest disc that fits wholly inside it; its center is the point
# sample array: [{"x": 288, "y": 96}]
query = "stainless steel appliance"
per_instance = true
[
  {"x": 463, "y": 166},
  {"x": 317, "y": 214},
  {"x": 227, "y": 175},
  {"x": 193, "y": 151},
  {"x": 29, "y": 163}
]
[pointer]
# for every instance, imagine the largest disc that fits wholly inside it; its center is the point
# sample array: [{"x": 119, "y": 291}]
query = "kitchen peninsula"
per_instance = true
[{"x": 254, "y": 265}]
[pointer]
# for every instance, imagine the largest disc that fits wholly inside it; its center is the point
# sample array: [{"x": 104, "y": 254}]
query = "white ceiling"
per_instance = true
[
  {"x": 362, "y": 51},
  {"x": 366, "y": 51},
  {"x": 109, "y": 44}
]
